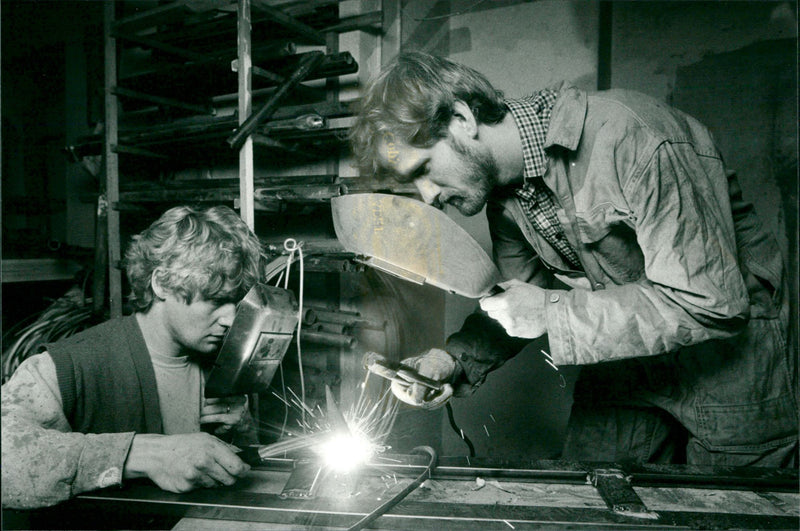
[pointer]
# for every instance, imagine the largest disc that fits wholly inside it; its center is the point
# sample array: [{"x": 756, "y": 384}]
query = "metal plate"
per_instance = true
[{"x": 414, "y": 241}]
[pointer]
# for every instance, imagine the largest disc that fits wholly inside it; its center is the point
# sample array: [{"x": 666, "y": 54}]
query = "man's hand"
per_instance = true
[
  {"x": 229, "y": 412},
  {"x": 180, "y": 463},
  {"x": 437, "y": 365},
  {"x": 519, "y": 309}
]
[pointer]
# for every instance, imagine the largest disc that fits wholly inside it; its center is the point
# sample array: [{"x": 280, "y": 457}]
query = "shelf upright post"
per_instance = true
[
  {"x": 111, "y": 192},
  {"x": 245, "y": 63}
]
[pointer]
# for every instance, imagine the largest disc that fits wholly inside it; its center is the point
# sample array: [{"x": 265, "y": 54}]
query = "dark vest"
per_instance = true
[{"x": 106, "y": 379}]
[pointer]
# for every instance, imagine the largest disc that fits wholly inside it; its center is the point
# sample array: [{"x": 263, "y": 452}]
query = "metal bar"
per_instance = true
[
  {"x": 305, "y": 122},
  {"x": 326, "y": 338},
  {"x": 35, "y": 269},
  {"x": 147, "y": 42},
  {"x": 130, "y": 150},
  {"x": 372, "y": 20},
  {"x": 299, "y": 194},
  {"x": 326, "y": 513},
  {"x": 150, "y": 17},
  {"x": 307, "y": 63},
  {"x": 349, "y": 319},
  {"x": 266, "y": 74},
  {"x": 177, "y": 194},
  {"x": 100, "y": 276},
  {"x": 245, "y": 146},
  {"x": 160, "y": 100},
  {"x": 615, "y": 489},
  {"x": 285, "y": 20},
  {"x": 266, "y": 141},
  {"x": 262, "y": 140},
  {"x": 111, "y": 137}
]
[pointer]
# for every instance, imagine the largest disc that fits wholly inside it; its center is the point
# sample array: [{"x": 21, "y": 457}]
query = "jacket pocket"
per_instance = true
[
  {"x": 609, "y": 235},
  {"x": 598, "y": 222},
  {"x": 749, "y": 427}
]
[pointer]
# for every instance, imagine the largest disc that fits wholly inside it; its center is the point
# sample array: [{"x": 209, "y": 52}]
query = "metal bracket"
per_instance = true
[
  {"x": 615, "y": 488},
  {"x": 303, "y": 482}
]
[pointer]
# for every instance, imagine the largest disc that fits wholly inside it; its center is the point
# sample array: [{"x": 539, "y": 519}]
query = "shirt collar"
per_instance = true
[{"x": 532, "y": 116}]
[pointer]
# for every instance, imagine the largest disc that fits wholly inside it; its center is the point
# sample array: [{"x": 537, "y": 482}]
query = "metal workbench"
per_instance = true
[{"x": 288, "y": 494}]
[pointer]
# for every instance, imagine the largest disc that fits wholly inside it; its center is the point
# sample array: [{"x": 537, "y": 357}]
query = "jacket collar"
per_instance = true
[{"x": 567, "y": 118}]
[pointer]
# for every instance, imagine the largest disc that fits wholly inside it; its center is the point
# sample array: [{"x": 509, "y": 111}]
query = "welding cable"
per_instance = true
[
  {"x": 291, "y": 245},
  {"x": 459, "y": 431},
  {"x": 400, "y": 496},
  {"x": 64, "y": 317}
]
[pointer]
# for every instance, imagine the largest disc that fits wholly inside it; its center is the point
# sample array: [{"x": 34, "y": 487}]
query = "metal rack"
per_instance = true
[{"x": 225, "y": 83}]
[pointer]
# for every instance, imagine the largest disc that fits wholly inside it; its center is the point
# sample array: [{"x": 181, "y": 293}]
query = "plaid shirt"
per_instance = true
[{"x": 532, "y": 115}]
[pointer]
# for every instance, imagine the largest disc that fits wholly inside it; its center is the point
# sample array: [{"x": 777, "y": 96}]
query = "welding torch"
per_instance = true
[
  {"x": 427, "y": 393},
  {"x": 256, "y": 455},
  {"x": 396, "y": 371}
]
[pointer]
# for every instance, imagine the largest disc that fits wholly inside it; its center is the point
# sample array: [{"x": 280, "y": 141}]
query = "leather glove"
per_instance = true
[{"x": 437, "y": 365}]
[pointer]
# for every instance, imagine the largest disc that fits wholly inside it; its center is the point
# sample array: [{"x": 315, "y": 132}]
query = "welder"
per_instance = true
[
  {"x": 623, "y": 238},
  {"x": 125, "y": 399}
]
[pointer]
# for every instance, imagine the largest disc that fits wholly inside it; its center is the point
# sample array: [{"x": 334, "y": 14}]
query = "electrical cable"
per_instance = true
[
  {"x": 64, "y": 317},
  {"x": 397, "y": 498},
  {"x": 458, "y": 431},
  {"x": 293, "y": 247}
]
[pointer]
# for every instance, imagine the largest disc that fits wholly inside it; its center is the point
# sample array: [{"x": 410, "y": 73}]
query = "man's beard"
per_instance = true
[{"x": 480, "y": 177}]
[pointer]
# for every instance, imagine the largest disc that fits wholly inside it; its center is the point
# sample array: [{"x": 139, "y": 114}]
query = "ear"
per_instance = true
[
  {"x": 463, "y": 121},
  {"x": 159, "y": 290}
]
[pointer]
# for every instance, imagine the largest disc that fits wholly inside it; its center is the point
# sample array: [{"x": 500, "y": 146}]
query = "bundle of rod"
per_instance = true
[
  {"x": 332, "y": 339},
  {"x": 67, "y": 315},
  {"x": 334, "y": 327}
]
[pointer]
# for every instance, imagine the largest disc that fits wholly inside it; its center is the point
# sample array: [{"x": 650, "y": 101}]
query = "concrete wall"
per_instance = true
[{"x": 522, "y": 46}]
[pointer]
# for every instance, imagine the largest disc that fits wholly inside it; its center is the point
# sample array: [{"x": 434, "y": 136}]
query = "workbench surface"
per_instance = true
[{"x": 553, "y": 495}]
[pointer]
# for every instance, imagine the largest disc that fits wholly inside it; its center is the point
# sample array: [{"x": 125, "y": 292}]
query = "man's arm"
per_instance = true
[
  {"x": 44, "y": 462},
  {"x": 693, "y": 289},
  {"x": 480, "y": 347}
]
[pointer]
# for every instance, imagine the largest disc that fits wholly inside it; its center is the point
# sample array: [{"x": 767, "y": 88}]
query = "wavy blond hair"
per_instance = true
[{"x": 210, "y": 254}]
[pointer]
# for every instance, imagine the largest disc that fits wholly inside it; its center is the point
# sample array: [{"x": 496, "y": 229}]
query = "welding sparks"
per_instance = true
[
  {"x": 343, "y": 452},
  {"x": 342, "y": 448}
]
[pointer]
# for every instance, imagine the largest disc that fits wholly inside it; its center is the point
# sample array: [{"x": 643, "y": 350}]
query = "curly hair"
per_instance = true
[
  {"x": 207, "y": 253},
  {"x": 412, "y": 100}
]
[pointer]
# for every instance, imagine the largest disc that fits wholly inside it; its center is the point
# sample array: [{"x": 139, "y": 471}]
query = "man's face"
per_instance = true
[
  {"x": 200, "y": 325},
  {"x": 454, "y": 171}
]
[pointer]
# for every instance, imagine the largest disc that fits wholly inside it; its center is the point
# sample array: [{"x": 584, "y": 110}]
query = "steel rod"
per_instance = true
[
  {"x": 289, "y": 22},
  {"x": 307, "y": 63},
  {"x": 160, "y": 100}
]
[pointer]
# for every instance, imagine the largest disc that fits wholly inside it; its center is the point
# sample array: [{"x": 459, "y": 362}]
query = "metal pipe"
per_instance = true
[
  {"x": 288, "y": 21},
  {"x": 307, "y": 63},
  {"x": 351, "y": 319},
  {"x": 333, "y": 328},
  {"x": 128, "y": 93},
  {"x": 326, "y": 338}
]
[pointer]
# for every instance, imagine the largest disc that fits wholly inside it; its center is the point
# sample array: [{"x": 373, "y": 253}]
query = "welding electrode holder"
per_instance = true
[{"x": 397, "y": 372}]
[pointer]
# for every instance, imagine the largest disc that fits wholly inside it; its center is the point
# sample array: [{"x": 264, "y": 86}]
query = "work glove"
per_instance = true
[{"x": 435, "y": 364}]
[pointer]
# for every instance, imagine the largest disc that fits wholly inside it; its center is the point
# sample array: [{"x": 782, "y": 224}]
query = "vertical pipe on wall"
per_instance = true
[
  {"x": 604, "y": 36},
  {"x": 111, "y": 135},
  {"x": 246, "y": 165}
]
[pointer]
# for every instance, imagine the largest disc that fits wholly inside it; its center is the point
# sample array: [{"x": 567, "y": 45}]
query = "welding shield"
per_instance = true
[{"x": 255, "y": 344}]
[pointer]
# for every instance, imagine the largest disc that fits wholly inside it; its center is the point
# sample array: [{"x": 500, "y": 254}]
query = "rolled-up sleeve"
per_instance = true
[{"x": 43, "y": 461}]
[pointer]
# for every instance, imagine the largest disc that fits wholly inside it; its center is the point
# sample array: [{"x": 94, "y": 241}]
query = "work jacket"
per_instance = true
[{"x": 678, "y": 274}]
